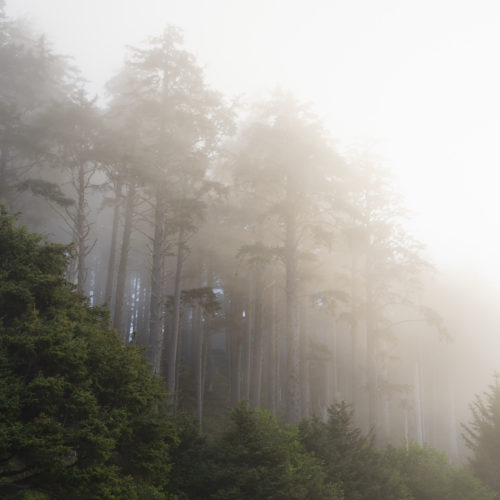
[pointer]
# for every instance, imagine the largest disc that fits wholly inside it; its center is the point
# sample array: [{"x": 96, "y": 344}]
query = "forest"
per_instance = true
[{"x": 207, "y": 299}]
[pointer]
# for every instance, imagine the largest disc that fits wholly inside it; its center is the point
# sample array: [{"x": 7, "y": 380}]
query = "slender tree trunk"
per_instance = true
[
  {"x": 386, "y": 406},
  {"x": 292, "y": 319},
  {"x": 234, "y": 353},
  {"x": 258, "y": 336},
  {"x": 199, "y": 344},
  {"x": 246, "y": 361},
  {"x": 247, "y": 345},
  {"x": 355, "y": 382},
  {"x": 371, "y": 376},
  {"x": 371, "y": 354},
  {"x": 156, "y": 299},
  {"x": 124, "y": 253},
  {"x": 406, "y": 429},
  {"x": 81, "y": 230},
  {"x": 4, "y": 160},
  {"x": 327, "y": 396},
  {"x": 176, "y": 313},
  {"x": 418, "y": 405},
  {"x": 179, "y": 360},
  {"x": 206, "y": 380},
  {"x": 454, "y": 426},
  {"x": 110, "y": 278},
  {"x": 273, "y": 355},
  {"x": 418, "y": 395},
  {"x": 305, "y": 363},
  {"x": 136, "y": 306},
  {"x": 143, "y": 315},
  {"x": 335, "y": 365},
  {"x": 208, "y": 365}
]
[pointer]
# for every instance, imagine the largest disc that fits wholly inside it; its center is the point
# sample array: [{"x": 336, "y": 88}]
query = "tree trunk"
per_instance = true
[
  {"x": 234, "y": 353},
  {"x": 124, "y": 252},
  {"x": 258, "y": 336},
  {"x": 207, "y": 372},
  {"x": 292, "y": 319},
  {"x": 4, "y": 160},
  {"x": 247, "y": 345},
  {"x": 143, "y": 313},
  {"x": 386, "y": 406},
  {"x": 273, "y": 355},
  {"x": 371, "y": 354},
  {"x": 110, "y": 278},
  {"x": 334, "y": 365},
  {"x": 198, "y": 372},
  {"x": 81, "y": 230},
  {"x": 156, "y": 299},
  {"x": 327, "y": 395},
  {"x": 305, "y": 363},
  {"x": 355, "y": 382},
  {"x": 454, "y": 433},
  {"x": 136, "y": 306},
  {"x": 176, "y": 314},
  {"x": 418, "y": 406}
]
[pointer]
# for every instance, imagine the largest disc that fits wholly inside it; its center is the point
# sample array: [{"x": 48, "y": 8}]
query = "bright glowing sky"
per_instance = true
[{"x": 419, "y": 81}]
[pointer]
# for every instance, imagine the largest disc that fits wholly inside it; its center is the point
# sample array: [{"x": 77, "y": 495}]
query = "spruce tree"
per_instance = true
[
  {"x": 80, "y": 412},
  {"x": 482, "y": 436}
]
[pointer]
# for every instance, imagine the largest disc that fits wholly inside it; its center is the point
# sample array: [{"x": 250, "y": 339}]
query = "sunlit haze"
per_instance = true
[{"x": 417, "y": 81}]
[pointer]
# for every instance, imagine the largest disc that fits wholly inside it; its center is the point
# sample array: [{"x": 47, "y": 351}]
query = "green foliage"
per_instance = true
[
  {"x": 428, "y": 475},
  {"x": 256, "y": 458},
  {"x": 413, "y": 473},
  {"x": 482, "y": 436},
  {"x": 80, "y": 413},
  {"x": 191, "y": 460},
  {"x": 350, "y": 457}
]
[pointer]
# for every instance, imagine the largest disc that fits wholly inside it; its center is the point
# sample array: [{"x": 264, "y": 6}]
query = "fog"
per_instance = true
[{"x": 403, "y": 112}]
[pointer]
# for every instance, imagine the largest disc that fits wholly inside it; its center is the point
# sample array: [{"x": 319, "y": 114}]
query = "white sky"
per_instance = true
[{"x": 418, "y": 80}]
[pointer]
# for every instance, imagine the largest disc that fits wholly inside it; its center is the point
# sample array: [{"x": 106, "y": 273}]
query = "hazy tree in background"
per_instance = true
[
  {"x": 184, "y": 120},
  {"x": 31, "y": 80},
  {"x": 287, "y": 161},
  {"x": 72, "y": 132},
  {"x": 127, "y": 161},
  {"x": 390, "y": 269}
]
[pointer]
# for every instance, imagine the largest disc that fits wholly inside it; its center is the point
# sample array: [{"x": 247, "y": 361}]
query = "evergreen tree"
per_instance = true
[
  {"x": 31, "y": 80},
  {"x": 482, "y": 436},
  {"x": 350, "y": 457},
  {"x": 80, "y": 412},
  {"x": 427, "y": 474},
  {"x": 256, "y": 458},
  {"x": 182, "y": 121},
  {"x": 288, "y": 168}
]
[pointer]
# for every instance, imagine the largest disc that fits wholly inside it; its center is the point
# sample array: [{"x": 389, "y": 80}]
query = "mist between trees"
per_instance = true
[{"x": 232, "y": 241}]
